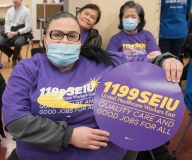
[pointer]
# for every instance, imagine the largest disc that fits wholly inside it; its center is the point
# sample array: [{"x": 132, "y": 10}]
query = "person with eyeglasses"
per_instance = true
[
  {"x": 88, "y": 16},
  {"x": 48, "y": 101}
]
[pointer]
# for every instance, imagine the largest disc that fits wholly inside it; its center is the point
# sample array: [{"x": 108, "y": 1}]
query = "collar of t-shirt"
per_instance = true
[{"x": 131, "y": 33}]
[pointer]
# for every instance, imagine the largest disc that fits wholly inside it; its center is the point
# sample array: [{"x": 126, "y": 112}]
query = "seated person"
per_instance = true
[
  {"x": 61, "y": 129},
  {"x": 88, "y": 16},
  {"x": 132, "y": 40},
  {"x": 17, "y": 23}
]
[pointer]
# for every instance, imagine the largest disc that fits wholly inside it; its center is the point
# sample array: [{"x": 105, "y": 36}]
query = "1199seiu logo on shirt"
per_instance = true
[{"x": 71, "y": 99}]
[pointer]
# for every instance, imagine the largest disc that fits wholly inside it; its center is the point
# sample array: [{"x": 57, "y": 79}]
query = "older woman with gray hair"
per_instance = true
[{"x": 132, "y": 40}]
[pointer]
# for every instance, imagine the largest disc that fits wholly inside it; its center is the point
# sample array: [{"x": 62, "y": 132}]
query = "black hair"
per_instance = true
[
  {"x": 99, "y": 55},
  {"x": 94, "y": 7},
  {"x": 90, "y": 52},
  {"x": 59, "y": 15},
  {"x": 140, "y": 12}
]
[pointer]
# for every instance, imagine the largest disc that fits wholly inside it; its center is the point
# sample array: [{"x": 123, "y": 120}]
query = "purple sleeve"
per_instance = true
[
  {"x": 139, "y": 58},
  {"x": 113, "y": 44},
  {"x": 151, "y": 44},
  {"x": 16, "y": 97}
]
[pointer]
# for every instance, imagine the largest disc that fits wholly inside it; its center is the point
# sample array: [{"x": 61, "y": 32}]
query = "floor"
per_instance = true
[{"x": 184, "y": 152}]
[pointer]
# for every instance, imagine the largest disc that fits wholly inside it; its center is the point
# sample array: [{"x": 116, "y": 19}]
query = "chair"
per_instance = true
[
  {"x": 28, "y": 42},
  {"x": 181, "y": 136},
  {"x": 37, "y": 50}
]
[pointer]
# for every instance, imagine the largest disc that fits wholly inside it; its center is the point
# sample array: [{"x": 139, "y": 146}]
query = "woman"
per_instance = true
[
  {"x": 45, "y": 102},
  {"x": 132, "y": 40},
  {"x": 88, "y": 16}
]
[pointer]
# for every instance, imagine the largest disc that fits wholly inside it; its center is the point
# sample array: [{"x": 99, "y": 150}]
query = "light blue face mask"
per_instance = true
[
  {"x": 63, "y": 55},
  {"x": 130, "y": 24}
]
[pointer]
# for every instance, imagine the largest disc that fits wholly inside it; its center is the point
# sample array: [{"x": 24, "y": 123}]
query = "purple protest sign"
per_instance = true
[{"x": 138, "y": 107}]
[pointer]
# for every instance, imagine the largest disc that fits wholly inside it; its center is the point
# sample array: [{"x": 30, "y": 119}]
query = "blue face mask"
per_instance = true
[
  {"x": 130, "y": 24},
  {"x": 63, "y": 55}
]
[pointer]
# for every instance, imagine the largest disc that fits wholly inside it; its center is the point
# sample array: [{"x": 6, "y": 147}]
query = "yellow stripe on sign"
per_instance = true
[{"x": 57, "y": 101}]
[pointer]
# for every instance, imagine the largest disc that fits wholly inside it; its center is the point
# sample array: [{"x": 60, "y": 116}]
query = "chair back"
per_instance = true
[
  {"x": 2, "y": 23},
  {"x": 37, "y": 50}
]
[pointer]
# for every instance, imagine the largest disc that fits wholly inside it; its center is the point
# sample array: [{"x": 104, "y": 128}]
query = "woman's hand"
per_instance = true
[
  {"x": 88, "y": 138},
  {"x": 173, "y": 69}
]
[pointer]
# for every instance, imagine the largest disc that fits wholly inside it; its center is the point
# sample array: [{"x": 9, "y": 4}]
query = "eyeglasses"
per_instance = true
[{"x": 58, "y": 35}]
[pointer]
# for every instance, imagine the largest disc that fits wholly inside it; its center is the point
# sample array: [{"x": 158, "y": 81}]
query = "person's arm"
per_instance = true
[
  {"x": 7, "y": 25},
  {"x": 153, "y": 54},
  {"x": 28, "y": 23},
  {"x": 113, "y": 45},
  {"x": 171, "y": 64},
  {"x": 151, "y": 46},
  {"x": 55, "y": 136},
  {"x": 41, "y": 132},
  {"x": 18, "y": 119}
]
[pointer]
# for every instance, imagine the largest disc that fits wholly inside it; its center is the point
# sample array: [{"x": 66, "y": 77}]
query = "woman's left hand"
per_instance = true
[{"x": 173, "y": 69}]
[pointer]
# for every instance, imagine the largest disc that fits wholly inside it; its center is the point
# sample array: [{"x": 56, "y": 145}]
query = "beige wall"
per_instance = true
[
  {"x": 3, "y": 11},
  {"x": 108, "y": 24},
  {"x": 76, "y": 3},
  {"x": 152, "y": 15}
]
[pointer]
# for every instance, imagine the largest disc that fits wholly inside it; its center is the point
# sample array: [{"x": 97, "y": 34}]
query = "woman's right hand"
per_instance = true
[{"x": 88, "y": 138}]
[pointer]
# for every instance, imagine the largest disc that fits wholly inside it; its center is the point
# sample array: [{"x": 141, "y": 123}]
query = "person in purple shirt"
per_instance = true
[
  {"x": 88, "y": 16},
  {"x": 132, "y": 40},
  {"x": 48, "y": 101}
]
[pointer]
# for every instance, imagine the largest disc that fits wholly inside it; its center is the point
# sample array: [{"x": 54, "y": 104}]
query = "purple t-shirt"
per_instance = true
[
  {"x": 140, "y": 43},
  {"x": 38, "y": 88},
  {"x": 35, "y": 87},
  {"x": 84, "y": 36}
]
